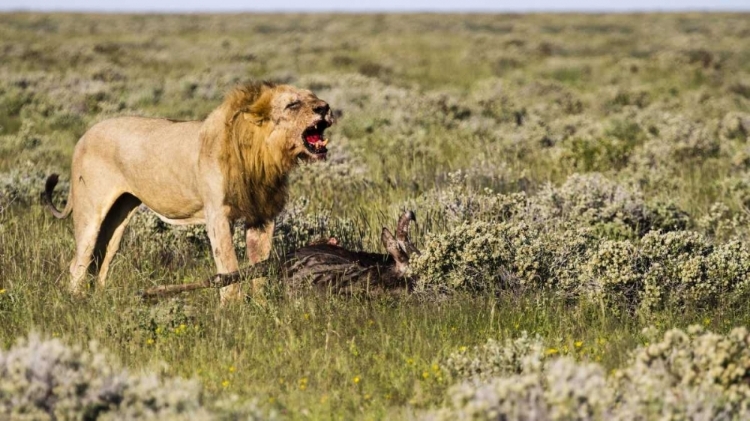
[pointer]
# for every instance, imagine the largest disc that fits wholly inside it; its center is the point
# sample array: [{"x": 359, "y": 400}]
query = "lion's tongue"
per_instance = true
[{"x": 313, "y": 138}]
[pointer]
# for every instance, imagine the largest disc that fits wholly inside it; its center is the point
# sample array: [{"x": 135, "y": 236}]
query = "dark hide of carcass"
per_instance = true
[{"x": 327, "y": 267}]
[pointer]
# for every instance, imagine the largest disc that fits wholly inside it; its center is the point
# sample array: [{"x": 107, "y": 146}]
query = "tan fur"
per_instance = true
[{"x": 234, "y": 164}]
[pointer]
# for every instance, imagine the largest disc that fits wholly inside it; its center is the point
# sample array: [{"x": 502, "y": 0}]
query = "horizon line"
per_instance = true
[{"x": 369, "y": 11}]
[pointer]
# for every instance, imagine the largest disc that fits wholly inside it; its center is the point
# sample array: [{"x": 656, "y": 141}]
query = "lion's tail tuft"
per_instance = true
[{"x": 49, "y": 187}]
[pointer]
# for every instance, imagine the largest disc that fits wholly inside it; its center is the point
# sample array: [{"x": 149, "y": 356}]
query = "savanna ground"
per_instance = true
[{"x": 576, "y": 177}]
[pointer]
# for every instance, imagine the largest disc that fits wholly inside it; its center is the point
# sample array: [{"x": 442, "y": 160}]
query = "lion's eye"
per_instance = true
[{"x": 293, "y": 105}]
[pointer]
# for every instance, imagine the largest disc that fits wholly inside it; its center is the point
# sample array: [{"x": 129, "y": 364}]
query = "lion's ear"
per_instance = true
[
  {"x": 260, "y": 110},
  {"x": 253, "y": 118}
]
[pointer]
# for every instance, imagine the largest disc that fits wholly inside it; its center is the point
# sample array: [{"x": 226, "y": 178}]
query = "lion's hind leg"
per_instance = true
[
  {"x": 110, "y": 233},
  {"x": 88, "y": 216},
  {"x": 95, "y": 222}
]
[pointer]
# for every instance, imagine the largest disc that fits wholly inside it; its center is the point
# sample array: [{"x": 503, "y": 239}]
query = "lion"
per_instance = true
[{"x": 233, "y": 165}]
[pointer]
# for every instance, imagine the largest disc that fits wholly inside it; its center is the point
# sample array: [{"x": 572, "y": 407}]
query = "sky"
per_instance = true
[{"x": 176, "y": 6}]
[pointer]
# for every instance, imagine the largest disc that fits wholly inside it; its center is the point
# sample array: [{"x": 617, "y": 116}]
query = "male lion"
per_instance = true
[{"x": 235, "y": 164}]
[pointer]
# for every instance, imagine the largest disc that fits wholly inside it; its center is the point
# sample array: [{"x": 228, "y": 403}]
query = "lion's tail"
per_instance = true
[{"x": 49, "y": 187}]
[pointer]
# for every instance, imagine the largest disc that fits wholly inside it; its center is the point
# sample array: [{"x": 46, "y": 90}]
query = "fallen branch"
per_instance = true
[{"x": 220, "y": 280}]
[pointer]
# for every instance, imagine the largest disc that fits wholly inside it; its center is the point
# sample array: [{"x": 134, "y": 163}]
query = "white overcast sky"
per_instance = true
[{"x": 373, "y": 5}]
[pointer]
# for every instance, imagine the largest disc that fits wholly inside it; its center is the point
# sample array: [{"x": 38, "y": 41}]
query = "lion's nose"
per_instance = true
[{"x": 322, "y": 109}]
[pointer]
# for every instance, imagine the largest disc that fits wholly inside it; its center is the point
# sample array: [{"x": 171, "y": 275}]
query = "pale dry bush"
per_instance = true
[
  {"x": 613, "y": 276},
  {"x": 735, "y": 126},
  {"x": 591, "y": 199},
  {"x": 736, "y": 188},
  {"x": 24, "y": 185},
  {"x": 673, "y": 140},
  {"x": 721, "y": 223},
  {"x": 459, "y": 200},
  {"x": 683, "y": 267},
  {"x": 564, "y": 390},
  {"x": 524, "y": 354},
  {"x": 582, "y": 239},
  {"x": 661, "y": 269},
  {"x": 692, "y": 374},
  {"x": 511, "y": 255},
  {"x": 386, "y": 120},
  {"x": 685, "y": 374},
  {"x": 664, "y": 269},
  {"x": 46, "y": 380},
  {"x": 587, "y": 200},
  {"x": 476, "y": 256}
]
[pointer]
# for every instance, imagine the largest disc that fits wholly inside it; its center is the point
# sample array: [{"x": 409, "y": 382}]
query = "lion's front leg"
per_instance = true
[
  {"x": 258, "y": 241},
  {"x": 220, "y": 235}
]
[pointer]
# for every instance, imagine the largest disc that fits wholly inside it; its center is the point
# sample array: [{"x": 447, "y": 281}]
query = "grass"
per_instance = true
[
  {"x": 309, "y": 357},
  {"x": 512, "y": 101}
]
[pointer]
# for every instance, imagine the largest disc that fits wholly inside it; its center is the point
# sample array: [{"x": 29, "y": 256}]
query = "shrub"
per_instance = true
[
  {"x": 473, "y": 256},
  {"x": 614, "y": 274},
  {"x": 504, "y": 255},
  {"x": 690, "y": 374},
  {"x": 25, "y": 185},
  {"x": 735, "y": 125},
  {"x": 721, "y": 223},
  {"x": 661, "y": 269},
  {"x": 597, "y": 201},
  {"x": 482, "y": 362},
  {"x": 565, "y": 390},
  {"x": 46, "y": 380}
]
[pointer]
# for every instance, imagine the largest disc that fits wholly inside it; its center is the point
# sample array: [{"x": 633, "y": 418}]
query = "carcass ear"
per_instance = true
[
  {"x": 389, "y": 242},
  {"x": 402, "y": 233},
  {"x": 391, "y": 245}
]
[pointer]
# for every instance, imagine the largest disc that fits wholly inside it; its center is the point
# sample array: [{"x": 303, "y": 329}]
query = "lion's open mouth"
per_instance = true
[{"x": 315, "y": 140}]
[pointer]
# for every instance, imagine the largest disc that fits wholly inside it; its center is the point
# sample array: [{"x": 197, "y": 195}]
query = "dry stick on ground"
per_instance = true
[{"x": 327, "y": 266}]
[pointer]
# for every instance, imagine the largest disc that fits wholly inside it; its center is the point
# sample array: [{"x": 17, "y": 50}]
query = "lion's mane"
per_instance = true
[{"x": 255, "y": 175}]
